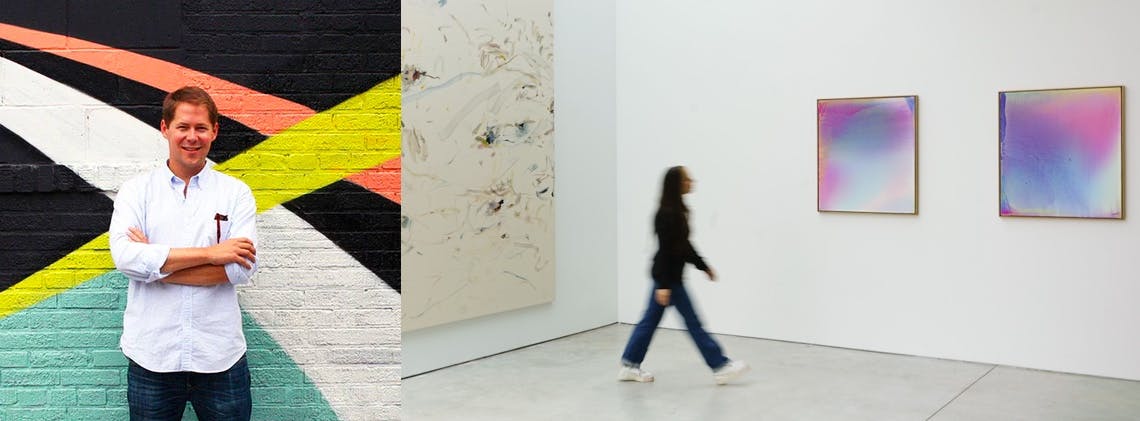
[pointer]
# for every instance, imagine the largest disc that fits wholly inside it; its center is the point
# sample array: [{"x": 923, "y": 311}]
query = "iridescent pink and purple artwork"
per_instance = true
[
  {"x": 867, "y": 151},
  {"x": 1061, "y": 152}
]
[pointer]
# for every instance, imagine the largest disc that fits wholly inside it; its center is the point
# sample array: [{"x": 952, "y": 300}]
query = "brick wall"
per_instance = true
[{"x": 310, "y": 106}]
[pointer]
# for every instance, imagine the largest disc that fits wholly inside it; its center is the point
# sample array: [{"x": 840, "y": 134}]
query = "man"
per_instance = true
[{"x": 184, "y": 234}]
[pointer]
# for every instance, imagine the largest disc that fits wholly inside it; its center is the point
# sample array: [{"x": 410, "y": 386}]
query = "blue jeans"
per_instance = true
[
  {"x": 642, "y": 334},
  {"x": 215, "y": 396}
]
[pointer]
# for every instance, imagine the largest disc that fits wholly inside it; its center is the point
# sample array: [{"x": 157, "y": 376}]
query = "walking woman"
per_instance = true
[{"x": 673, "y": 251}]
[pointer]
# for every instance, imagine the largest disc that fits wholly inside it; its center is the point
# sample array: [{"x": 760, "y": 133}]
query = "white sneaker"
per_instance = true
[
  {"x": 729, "y": 371},
  {"x": 635, "y": 374}
]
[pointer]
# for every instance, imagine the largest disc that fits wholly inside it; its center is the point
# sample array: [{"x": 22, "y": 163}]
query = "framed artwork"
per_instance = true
[
  {"x": 867, "y": 156},
  {"x": 477, "y": 112},
  {"x": 1060, "y": 152}
]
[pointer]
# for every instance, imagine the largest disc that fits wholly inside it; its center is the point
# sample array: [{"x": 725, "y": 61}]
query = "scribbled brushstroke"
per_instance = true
[{"x": 478, "y": 126}]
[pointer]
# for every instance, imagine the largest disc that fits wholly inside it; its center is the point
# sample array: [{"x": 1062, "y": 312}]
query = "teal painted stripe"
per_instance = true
[{"x": 60, "y": 360}]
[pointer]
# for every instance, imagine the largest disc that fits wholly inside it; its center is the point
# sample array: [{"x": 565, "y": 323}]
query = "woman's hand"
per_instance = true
[
  {"x": 662, "y": 296},
  {"x": 711, "y": 273}
]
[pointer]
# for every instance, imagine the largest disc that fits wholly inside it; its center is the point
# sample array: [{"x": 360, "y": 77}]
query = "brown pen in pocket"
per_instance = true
[{"x": 218, "y": 218}]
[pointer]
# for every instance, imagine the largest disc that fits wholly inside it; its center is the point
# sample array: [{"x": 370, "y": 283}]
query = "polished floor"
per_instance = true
[{"x": 573, "y": 378}]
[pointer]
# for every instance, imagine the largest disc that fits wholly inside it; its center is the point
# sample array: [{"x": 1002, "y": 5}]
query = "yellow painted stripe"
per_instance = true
[
  {"x": 353, "y": 136},
  {"x": 90, "y": 260}
]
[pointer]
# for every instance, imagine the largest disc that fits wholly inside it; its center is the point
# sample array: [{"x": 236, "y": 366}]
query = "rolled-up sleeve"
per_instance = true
[
  {"x": 139, "y": 261},
  {"x": 243, "y": 224}
]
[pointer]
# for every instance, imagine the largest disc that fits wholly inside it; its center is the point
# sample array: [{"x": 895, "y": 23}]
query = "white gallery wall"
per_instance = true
[
  {"x": 728, "y": 88},
  {"x": 585, "y": 205}
]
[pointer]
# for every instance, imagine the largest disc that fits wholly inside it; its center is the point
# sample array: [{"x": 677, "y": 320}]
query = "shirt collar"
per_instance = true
[{"x": 202, "y": 178}]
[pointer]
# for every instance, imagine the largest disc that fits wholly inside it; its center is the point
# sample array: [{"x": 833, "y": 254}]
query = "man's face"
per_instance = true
[{"x": 190, "y": 135}]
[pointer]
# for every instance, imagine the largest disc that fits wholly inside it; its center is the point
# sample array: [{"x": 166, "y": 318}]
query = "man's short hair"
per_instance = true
[{"x": 191, "y": 95}]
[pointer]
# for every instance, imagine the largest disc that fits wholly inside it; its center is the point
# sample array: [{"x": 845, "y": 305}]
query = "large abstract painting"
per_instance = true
[
  {"x": 867, "y": 150},
  {"x": 478, "y": 158},
  {"x": 1061, "y": 152}
]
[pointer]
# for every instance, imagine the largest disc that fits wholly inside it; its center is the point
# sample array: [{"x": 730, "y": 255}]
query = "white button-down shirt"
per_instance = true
[{"x": 170, "y": 327}]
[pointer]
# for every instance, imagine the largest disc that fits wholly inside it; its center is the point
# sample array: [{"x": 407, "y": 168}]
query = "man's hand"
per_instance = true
[
  {"x": 136, "y": 235},
  {"x": 711, "y": 273},
  {"x": 235, "y": 250},
  {"x": 662, "y": 296}
]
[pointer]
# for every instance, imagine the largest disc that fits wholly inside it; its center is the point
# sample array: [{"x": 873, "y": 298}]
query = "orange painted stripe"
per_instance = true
[
  {"x": 269, "y": 190},
  {"x": 383, "y": 179},
  {"x": 263, "y": 112}
]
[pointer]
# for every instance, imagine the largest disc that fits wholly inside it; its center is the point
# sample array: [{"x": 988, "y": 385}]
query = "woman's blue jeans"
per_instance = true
[{"x": 642, "y": 334}]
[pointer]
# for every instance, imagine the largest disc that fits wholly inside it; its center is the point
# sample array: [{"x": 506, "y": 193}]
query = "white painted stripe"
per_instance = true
[
  {"x": 335, "y": 318},
  {"x": 102, "y": 144}
]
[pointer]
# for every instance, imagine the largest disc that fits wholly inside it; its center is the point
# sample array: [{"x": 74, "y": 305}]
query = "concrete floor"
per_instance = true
[{"x": 574, "y": 378}]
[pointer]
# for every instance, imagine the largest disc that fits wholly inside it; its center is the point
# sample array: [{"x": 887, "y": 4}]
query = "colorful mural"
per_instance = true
[{"x": 310, "y": 107}]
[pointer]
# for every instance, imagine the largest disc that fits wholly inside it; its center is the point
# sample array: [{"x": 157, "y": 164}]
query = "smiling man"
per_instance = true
[{"x": 185, "y": 236}]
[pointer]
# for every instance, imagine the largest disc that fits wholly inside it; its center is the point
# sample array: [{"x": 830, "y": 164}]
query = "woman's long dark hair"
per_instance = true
[{"x": 671, "y": 191}]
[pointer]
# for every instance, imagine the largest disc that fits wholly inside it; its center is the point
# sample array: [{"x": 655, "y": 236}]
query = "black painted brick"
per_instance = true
[
  {"x": 278, "y": 42},
  {"x": 335, "y": 23},
  {"x": 60, "y": 242},
  {"x": 359, "y": 83},
  {"x": 20, "y": 205},
  {"x": 383, "y": 6},
  {"x": 233, "y": 138},
  {"x": 382, "y": 61},
  {"x": 245, "y": 63},
  {"x": 366, "y": 240},
  {"x": 7, "y": 181},
  {"x": 379, "y": 258},
  {"x": 333, "y": 62},
  {"x": 241, "y": 23},
  {"x": 201, "y": 6},
  {"x": 335, "y": 202},
  {"x": 304, "y": 82},
  {"x": 210, "y": 42},
  {"x": 368, "y": 43},
  {"x": 391, "y": 277},
  {"x": 15, "y": 150},
  {"x": 42, "y": 15},
  {"x": 325, "y": 100},
  {"x": 45, "y": 178},
  {"x": 282, "y": 5},
  {"x": 40, "y": 178},
  {"x": 131, "y": 24},
  {"x": 58, "y": 222}
]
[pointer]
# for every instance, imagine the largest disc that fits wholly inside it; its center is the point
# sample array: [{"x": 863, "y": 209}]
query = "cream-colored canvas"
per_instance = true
[{"x": 478, "y": 158}]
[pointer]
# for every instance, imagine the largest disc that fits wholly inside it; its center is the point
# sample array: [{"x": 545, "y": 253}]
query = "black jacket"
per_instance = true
[{"x": 673, "y": 248}]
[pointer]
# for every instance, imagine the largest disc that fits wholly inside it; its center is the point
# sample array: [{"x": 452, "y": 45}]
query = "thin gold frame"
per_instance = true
[
  {"x": 1123, "y": 168},
  {"x": 817, "y": 154}
]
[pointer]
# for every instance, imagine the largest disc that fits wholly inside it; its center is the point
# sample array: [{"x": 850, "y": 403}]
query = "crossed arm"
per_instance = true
[
  {"x": 202, "y": 266},
  {"x": 232, "y": 260}
]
